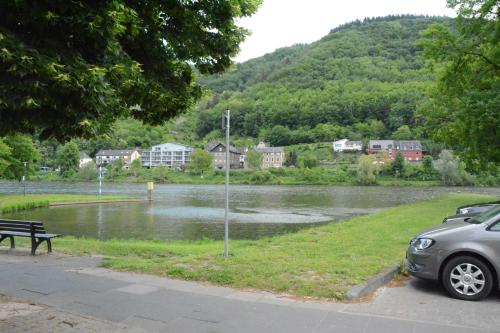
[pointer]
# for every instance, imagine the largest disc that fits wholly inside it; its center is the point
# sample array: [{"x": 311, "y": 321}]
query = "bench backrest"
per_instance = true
[{"x": 22, "y": 226}]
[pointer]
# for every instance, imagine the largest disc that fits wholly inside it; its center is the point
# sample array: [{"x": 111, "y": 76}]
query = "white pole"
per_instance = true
[
  {"x": 100, "y": 180},
  {"x": 226, "y": 213}
]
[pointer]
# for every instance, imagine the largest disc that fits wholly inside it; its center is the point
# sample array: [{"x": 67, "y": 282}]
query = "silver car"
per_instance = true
[{"x": 464, "y": 255}]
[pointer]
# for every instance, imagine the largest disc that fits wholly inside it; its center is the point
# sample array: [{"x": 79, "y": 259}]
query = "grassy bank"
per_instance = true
[
  {"x": 320, "y": 262},
  {"x": 15, "y": 203}
]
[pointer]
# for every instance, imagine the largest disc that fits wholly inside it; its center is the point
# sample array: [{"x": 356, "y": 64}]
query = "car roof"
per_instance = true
[{"x": 491, "y": 203}]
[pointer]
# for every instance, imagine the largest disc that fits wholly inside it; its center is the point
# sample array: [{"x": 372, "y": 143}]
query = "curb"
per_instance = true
[{"x": 373, "y": 283}]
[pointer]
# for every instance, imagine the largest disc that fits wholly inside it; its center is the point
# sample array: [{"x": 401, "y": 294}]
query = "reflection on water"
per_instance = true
[{"x": 194, "y": 212}]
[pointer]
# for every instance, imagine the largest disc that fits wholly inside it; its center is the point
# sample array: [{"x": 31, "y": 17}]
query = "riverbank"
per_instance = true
[
  {"x": 15, "y": 203},
  {"x": 275, "y": 176},
  {"x": 317, "y": 262}
]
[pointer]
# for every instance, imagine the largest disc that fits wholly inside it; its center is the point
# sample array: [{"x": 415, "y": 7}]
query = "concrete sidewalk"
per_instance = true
[{"x": 121, "y": 302}]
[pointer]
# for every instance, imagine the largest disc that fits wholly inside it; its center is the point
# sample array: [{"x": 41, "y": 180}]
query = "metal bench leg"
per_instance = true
[
  {"x": 34, "y": 245},
  {"x": 12, "y": 244}
]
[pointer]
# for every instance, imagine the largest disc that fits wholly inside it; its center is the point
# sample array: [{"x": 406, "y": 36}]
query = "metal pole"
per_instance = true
[
  {"x": 100, "y": 181},
  {"x": 24, "y": 178},
  {"x": 226, "y": 213}
]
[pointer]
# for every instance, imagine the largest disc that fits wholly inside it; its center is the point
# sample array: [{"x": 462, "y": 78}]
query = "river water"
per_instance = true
[{"x": 197, "y": 211}]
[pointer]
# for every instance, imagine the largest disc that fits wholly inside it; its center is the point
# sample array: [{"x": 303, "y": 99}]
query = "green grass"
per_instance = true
[
  {"x": 15, "y": 203},
  {"x": 319, "y": 262}
]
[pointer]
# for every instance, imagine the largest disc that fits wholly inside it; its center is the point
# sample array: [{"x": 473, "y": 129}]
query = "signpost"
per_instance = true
[
  {"x": 225, "y": 125},
  {"x": 100, "y": 181},
  {"x": 24, "y": 178},
  {"x": 150, "y": 191}
]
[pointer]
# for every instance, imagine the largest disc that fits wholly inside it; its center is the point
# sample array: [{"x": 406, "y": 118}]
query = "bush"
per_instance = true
[
  {"x": 87, "y": 172},
  {"x": 261, "y": 177},
  {"x": 367, "y": 170},
  {"x": 308, "y": 161},
  {"x": 452, "y": 172},
  {"x": 160, "y": 174}
]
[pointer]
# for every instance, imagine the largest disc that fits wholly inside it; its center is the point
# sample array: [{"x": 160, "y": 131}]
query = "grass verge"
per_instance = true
[
  {"x": 319, "y": 262},
  {"x": 15, "y": 203}
]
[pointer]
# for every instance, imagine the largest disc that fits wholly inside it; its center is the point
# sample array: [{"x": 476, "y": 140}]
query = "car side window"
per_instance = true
[{"x": 495, "y": 227}]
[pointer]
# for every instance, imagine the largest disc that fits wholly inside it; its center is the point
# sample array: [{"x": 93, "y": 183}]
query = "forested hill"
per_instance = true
[{"x": 364, "y": 79}]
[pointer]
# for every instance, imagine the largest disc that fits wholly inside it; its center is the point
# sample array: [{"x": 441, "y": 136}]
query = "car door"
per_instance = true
[{"x": 491, "y": 243}]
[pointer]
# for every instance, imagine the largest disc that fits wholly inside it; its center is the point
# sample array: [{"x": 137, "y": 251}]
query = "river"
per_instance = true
[{"x": 192, "y": 212}]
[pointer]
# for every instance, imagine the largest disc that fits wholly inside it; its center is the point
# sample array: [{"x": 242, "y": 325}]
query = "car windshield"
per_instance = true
[{"x": 485, "y": 216}]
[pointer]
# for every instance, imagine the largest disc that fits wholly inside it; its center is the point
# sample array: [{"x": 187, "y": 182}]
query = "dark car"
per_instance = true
[
  {"x": 477, "y": 208},
  {"x": 464, "y": 256},
  {"x": 463, "y": 213}
]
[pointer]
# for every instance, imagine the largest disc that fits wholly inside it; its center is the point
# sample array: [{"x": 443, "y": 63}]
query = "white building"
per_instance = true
[
  {"x": 111, "y": 155},
  {"x": 345, "y": 144},
  {"x": 167, "y": 154},
  {"x": 84, "y": 159}
]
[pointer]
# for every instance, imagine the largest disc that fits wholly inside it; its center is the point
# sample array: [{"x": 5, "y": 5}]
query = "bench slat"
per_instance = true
[
  {"x": 21, "y": 222},
  {"x": 27, "y": 234},
  {"x": 17, "y": 225},
  {"x": 38, "y": 230}
]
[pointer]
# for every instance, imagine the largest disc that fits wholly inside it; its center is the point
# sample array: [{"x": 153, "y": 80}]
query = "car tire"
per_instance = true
[{"x": 467, "y": 278}]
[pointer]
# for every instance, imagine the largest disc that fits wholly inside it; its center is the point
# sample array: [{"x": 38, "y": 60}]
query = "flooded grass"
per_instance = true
[
  {"x": 15, "y": 203},
  {"x": 317, "y": 262}
]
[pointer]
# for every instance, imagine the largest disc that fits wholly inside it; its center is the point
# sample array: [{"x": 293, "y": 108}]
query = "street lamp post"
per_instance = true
[
  {"x": 226, "y": 211},
  {"x": 24, "y": 178}
]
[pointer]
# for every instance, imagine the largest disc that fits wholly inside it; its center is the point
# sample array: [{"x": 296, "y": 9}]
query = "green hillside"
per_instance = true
[{"x": 364, "y": 79}]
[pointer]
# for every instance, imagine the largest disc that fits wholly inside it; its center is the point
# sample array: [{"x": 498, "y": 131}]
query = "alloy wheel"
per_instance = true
[{"x": 467, "y": 279}]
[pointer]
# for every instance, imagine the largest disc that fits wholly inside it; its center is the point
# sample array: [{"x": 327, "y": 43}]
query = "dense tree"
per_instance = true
[
  {"x": 5, "y": 158},
  {"x": 136, "y": 167},
  {"x": 278, "y": 136},
  {"x": 22, "y": 150},
  {"x": 427, "y": 167},
  {"x": 68, "y": 158},
  {"x": 254, "y": 159},
  {"x": 403, "y": 133},
  {"x": 464, "y": 110},
  {"x": 398, "y": 165},
  {"x": 201, "y": 161},
  {"x": 71, "y": 68}
]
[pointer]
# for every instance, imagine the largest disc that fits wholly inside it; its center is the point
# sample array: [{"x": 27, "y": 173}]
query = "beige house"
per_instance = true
[
  {"x": 272, "y": 157},
  {"x": 111, "y": 155}
]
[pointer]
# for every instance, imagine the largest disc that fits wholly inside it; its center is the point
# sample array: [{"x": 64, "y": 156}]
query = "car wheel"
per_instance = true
[{"x": 467, "y": 278}]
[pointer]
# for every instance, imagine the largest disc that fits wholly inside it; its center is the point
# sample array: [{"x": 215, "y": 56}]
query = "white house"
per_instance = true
[
  {"x": 345, "y": 144},
  {"x": 84, "y": 158},
  {"x": 167, "y": 154}
]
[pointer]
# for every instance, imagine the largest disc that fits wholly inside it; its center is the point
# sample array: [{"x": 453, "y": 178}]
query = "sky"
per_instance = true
[{"x": 280, "y": 23}]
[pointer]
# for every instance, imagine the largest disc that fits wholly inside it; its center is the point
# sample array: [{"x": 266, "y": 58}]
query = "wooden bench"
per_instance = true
[{"x": 33, "y": 229}]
